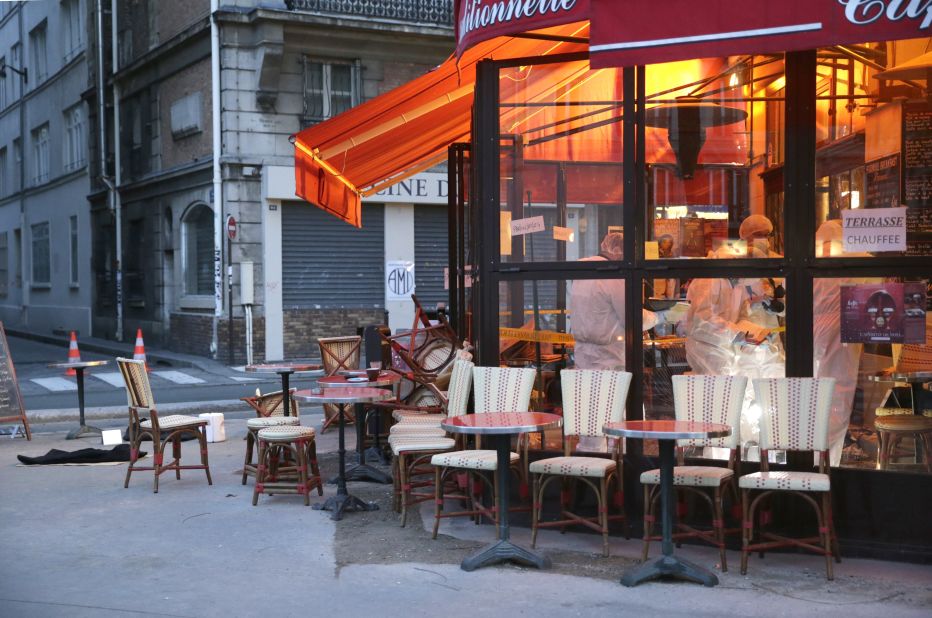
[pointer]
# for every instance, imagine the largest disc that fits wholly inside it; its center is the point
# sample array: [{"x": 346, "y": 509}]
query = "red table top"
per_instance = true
[
  {"x": 386, "y": 378},
  {"x": 356, "y": 394},
  {"x": 501, "y": 422},
  {"x": 667, "y": 430}
]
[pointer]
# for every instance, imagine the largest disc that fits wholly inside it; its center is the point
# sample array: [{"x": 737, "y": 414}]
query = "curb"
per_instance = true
[{"x": 55, "y": 415}]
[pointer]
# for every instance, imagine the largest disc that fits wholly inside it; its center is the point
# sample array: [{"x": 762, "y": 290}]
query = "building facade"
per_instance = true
[
  {"x": 46, "y": 282},
  {"x": 281, "y": 66}
]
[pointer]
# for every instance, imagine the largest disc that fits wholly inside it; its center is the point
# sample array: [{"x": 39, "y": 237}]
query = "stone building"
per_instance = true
[{"x": 282, "y": 66}]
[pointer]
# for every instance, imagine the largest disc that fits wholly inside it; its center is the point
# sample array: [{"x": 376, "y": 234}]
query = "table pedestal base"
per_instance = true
[
  {"x": 364, "y": 472},
  {"x": 505, "y": 551},
  {"x": 377, "y": 454},
  {"x": 669, "y": 566},
  {"x": 83, "y": 430},
  {"x": 341, "y": 503}
]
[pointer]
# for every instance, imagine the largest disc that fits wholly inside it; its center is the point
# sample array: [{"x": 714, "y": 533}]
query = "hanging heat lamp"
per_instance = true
[{"x": 686, "y": 120}]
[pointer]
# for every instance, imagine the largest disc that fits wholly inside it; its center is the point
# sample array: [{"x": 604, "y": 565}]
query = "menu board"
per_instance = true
[
  {"x": 882, "y": 182},
  {"x": 11, "y": 402},
  {"x": 917, "y": 154}
]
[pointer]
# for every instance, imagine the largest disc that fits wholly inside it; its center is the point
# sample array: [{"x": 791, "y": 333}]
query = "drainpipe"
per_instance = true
[
  {"x": 218, "y": 181},
  {"x": 24, "y": 235},
  {"x": 116, "y": 207}
]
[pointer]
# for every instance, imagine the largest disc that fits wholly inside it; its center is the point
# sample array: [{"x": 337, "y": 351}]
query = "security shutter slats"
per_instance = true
[
  {"x": 328, "y": 264},
  {"x": 430, "y": 254}
]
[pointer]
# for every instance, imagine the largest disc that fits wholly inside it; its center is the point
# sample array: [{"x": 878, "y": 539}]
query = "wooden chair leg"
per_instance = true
[
  {"x": 405, "y": 487},
  {"x": 536, "y": 502},
  {"x": 438, "y": 499},
  {"x": 158, "y": 454},
  {"x": 718, "y": 523},
  {"x": 315, "y": 469},
  {"x": 260, "y": 473},
  {"x": 247, "y": 462},
  {"x": 396, "y": 486},
  {"x": 176, "y": 455},
  {"x": 747, "y": 529},
  {"x": 202, "y": 439},
  {"x": 603, "y": 513},
  {"x": 648, "y": 522},
  {"x": 300, "y": 455},
  {"x": 133, "y": 457},
  {"x": 825, "y": 531}
]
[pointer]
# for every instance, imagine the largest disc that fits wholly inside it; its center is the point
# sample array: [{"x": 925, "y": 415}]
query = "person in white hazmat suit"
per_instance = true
[
  {"x": 597, "y": 313},
  {"x": 831, "y": 357},
  {"x": 723, "y": 339}
]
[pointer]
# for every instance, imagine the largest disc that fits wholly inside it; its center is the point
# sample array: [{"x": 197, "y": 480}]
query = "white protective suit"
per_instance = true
[{"x": 832, "y": 358}]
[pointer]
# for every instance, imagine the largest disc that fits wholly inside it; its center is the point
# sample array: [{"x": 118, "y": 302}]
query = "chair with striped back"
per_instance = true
[
  {"x": 338, "y": 354},
  {"x": 795, "y": 417},
  {"x": 270, "y": 412},
  {"x": 422, "y": 439},
  {"x": 495, "y": 389},
  {"x": 160, "y": 430},
  {"x": 704, "y": 399},
  {"x": 591, "y": 398}
]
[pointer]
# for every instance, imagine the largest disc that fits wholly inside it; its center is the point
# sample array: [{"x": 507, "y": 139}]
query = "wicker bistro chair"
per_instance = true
[
  {"x": 338, "y": 354},
  {"x": 300, "y": 443},
  {"x": 496, "y": 389},
  {"x": 139, "y": 396},
  {"x": 412, "y": 448},
  {"x": 795, "y": 415},
  {"x": 590, "y": 399},
  {"x": 705, "y": 399},
  {"x": 270, "y": 412}
]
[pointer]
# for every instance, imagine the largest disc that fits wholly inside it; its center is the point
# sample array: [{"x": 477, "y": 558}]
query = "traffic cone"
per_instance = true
[
  {"x": 74, "y": 355},
  {"x": 139, "y": 353}
]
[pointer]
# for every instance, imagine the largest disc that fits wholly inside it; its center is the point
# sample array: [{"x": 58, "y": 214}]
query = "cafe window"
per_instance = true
[
  {"x": 873, "y": 167},
  {"x": 198, "y": 240},
  {"x": 330, "y": 88}
]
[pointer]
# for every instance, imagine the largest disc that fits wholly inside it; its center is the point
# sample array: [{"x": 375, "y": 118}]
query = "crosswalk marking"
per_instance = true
[
  {"x": 113, "y": 378},
  {"x": 243, "y": 379},
  {"x": 55, "y": 384},
  {"x": 178, "y": 377}
]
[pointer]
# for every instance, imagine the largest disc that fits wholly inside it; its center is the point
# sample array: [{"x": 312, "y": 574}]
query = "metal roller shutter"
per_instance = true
[
  {"x": 430, "y": 255},
  {"x": 327, "y": 264}
]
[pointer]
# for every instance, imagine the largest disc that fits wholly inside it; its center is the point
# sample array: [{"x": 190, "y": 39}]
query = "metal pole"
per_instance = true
[
  {"x": 217, "y": 179},
  {"x": 230, "y": 298},
  {"x": 24, "y": 237},
  {"x": 116, "y": 202}
]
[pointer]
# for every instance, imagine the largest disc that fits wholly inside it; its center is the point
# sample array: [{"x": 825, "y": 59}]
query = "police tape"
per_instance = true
[{"x": 537, "y": 336}]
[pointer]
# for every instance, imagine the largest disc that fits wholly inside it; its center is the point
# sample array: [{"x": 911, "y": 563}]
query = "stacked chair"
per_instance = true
[
  {"x": 338, "y": 354},
  {"x": 590, "y": 399}
]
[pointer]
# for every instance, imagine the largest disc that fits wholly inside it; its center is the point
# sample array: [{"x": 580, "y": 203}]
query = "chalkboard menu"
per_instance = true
[
  {"x": 11, "y": 402},
  {"x": 917, "y": 176},
  {"x": 882, "y": 182}
]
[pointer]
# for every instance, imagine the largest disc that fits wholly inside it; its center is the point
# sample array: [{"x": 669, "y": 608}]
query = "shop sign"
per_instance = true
[
  {"x": 528, "y": 225},
  {"x": 399, "y": 280},
  {"x": 883, "y": 312},
  {"x": 874, "y": 229},
  {"x": 479, "y": 20}
]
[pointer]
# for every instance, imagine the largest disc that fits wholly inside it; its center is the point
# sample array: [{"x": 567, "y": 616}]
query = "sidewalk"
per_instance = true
[{"x": 75, "y": 543}]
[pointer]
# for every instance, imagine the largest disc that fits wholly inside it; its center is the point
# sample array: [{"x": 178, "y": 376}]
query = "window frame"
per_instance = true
[
  {"x": 41, "y": 157},
  {"x": 35, "y": 280},
  {"x": 4, "y": 264},
  {"x": 326, "y": 92},
  {"x": 73, "y": 252},
  {"x": 194, "y": 298},
  {"x": 74, "y": 150},
  {"x": 38, "y": 48},
  {"x": 72, "y": 28}
]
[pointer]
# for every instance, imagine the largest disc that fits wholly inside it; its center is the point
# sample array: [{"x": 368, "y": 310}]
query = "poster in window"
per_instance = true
[
  {"x": 883, "y": 313},
  {"x": 692, "y": 237}
]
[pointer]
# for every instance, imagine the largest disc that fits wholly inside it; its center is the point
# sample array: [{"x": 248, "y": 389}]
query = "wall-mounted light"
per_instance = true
[{"x": 24, "y": 73}]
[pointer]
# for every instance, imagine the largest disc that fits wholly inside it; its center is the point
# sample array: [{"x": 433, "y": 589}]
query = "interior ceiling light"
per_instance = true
[{"x": 686, "y": 121}]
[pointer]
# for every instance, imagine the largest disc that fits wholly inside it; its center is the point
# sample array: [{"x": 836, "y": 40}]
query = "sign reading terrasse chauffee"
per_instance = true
[
  {"x": 874, "y": 229},
  {"x": 478, "y": 20}
]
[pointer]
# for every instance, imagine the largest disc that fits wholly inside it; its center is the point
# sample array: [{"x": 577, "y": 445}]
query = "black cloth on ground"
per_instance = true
[{"x": 84, "y": 455}]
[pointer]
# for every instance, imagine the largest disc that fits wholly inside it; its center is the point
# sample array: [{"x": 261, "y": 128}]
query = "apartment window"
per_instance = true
[
  {"x": 40, "y": 154},
  {"x": 329, "y": 88},
  {"x": 3, "y": 86},
  {"x": 4, "y": 185},
  {"x": 16, "y": 81},
  {"x": 41, "y": 262},
  {"x": 73, "y": 222},
  {"x": 4, "y": 264},
  {"x": 198, "y": 238},
  {"x": 186, "y": 115},
  {"x": 15, "y": 180},
  {"x": 74, "y": 147},
  {"x": 40, "y": 61},
  {"x": 73, "y": 26}
]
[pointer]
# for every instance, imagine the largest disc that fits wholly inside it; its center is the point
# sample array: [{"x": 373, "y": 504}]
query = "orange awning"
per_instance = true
[{"x": 405, "y": 130}]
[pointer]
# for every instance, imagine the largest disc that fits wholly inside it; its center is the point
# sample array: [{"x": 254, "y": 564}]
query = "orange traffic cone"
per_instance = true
[
  {"x": 139, "y": 353},
  {"x": 74, "y": 355}
]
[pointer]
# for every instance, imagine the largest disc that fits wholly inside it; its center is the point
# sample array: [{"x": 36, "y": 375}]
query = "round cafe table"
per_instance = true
[
  {"x": 79, "y": 368},
  {"x": 666, "y": 433},
  {"x": 284, "y": 369},
  {"x": 499, "y": 427},
  {"x": 362, "y": 471},
  {"x": 342, "y": 397},
  {"x": 915, "y": 379}
]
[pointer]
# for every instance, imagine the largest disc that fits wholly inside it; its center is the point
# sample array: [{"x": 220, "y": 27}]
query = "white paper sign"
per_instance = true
[
  {"x": 563, "y": 233},
  {"x": 399, "y": 280},
  {"x": 528, "y": 225},
  {"x": 874, "y": 229}
]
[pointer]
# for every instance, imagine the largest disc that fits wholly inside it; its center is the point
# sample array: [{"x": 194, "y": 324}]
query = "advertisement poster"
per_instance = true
[
  {"x": 399, "y": 280},
  {"x": 883, "y": 313}
]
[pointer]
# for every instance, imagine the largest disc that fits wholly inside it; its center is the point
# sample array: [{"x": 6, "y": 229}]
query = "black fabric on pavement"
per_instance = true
[{"x": 84, "y": 455}]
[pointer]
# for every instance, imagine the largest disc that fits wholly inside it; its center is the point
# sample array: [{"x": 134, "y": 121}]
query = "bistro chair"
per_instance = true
[
  {"x": 892, "y": 429},
  {"x": 160, "y": 430},
  {"x": 703, "y": 399},
  {"x": 338, "y": 354},
  {"x": 590, "y": 399},
  {"x": 495, "y": 389},
  {"x": 299, "y": 443},
  {"x": 412, "y": 448},
  {"x": 270, "y": 412},
  {"x": 794, "y": 417}
]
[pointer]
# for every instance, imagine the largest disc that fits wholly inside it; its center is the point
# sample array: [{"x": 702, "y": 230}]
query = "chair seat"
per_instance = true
[
  {"x": 797, "y": 481},
  {"x": 421, "y": 419},
  {"x": 598, "y": 467},
  {"x": 911, "y": 423},
  {"x": 691, "y": 476},
  {"x": 419, "y": 431},
  {"x": 272, "y": 421},
  {"x": 400, "y": 415},
  {"x": 174, "y": 421},
  {"x": 283, "y": 433},
  {"x": 415, "y": 435},
  {"x": 472, "y": 460},
  {"x": 420, "y": 444}
]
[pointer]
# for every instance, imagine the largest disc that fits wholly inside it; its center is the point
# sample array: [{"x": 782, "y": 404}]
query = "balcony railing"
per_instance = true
[{"x": 439, "y": 12}]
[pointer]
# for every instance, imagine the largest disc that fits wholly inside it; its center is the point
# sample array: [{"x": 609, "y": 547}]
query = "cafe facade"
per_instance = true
[{"x": 781, "y": 147}]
